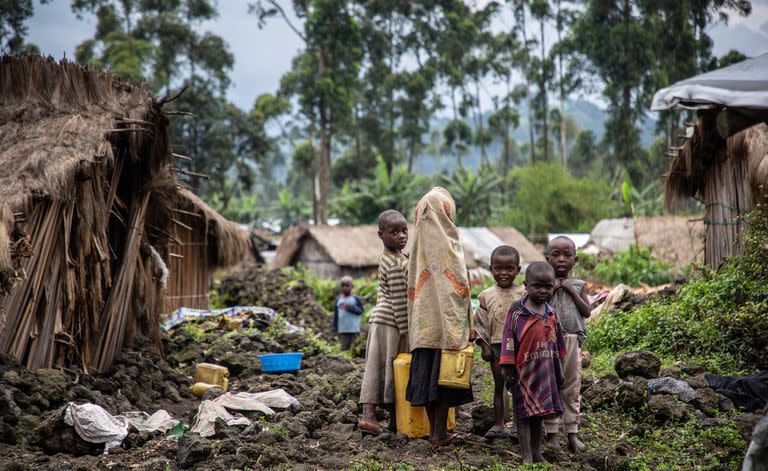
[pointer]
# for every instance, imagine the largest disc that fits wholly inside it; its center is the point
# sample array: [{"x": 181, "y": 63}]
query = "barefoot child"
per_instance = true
[
  {"x": 347, "y": 309},
  {"x": 388, "y": 332},
  {"x": 439, "y": 314},
  {"x": 489, "y": 324},
  {"x": 571, "y": 304},
  {"x": 531, "y": 348}
]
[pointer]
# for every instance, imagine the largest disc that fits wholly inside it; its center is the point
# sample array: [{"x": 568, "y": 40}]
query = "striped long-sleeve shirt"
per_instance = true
[{"x": 392, "y": 300}]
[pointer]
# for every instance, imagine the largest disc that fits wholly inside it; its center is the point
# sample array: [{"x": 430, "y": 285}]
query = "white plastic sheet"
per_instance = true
[
  {"x": 262, "y": 401},
  {"x": 96, "y": 425},
  {"x": 160, "y": 421},
  {"x": 208, "y": 412}
]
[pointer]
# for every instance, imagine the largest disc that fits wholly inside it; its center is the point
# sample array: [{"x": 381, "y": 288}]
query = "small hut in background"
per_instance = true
[
  {"x": 202, "y": 241},
  {"x": 724, "y": 159},
  {"x": 334, "y": 251},
  {"x": 511, "y": 236}
]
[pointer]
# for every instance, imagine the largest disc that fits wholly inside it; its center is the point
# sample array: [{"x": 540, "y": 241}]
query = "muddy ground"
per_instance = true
[{"x": 622, "y": 424}]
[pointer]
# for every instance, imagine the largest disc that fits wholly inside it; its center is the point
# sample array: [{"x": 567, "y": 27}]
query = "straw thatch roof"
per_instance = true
[
  {"x": 346, "y": 246},
  {"x": 687, "y": 171},
  {"x": 229, "y": 243},
  {"x": 511, "y": 236},
  {"x": 360, "y": 246},
  {"x": 85, "y": 175}
]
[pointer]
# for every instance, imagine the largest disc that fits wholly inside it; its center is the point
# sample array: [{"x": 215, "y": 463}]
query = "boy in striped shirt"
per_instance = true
[{"x": 388, "y": 324}]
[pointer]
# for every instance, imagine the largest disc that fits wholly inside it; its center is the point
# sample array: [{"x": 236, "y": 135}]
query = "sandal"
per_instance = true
[
  {"x": 453, "y": 438},
  {"x": 494, "y": 433}
]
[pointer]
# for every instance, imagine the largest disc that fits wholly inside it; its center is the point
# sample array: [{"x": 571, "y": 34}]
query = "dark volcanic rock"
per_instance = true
[
  {"x": 638, "y": 363},
  {"x": 192, "y": 449},
  {"x": 482, "y": 419},
  {"x": 664, "y": 407},
  {"x": 631, "y": 395}
]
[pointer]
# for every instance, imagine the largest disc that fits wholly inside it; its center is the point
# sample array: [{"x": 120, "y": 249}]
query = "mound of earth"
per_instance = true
[{"x": 256, "y": 285}]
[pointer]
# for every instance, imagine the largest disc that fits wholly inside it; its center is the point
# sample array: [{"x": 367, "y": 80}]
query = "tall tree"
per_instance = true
[
  {"x": 542, "y": 72},
  {"x": 13, "y": 14},
  {"x": 626, "y": 68},
  {"x": 507, "y": 58},
  {"x": 568, "y": 77},
  {"x": 324, "y": 76},
  {"x": 519, "y": 10},
  {"x": 115, "y": 43}
]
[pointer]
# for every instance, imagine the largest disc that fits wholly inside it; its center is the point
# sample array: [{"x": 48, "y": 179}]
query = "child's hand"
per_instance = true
[
  {"x": 485, "y": 352},
  {"x": 510, "y": 379},
  {"x": 344, "y": 306}
]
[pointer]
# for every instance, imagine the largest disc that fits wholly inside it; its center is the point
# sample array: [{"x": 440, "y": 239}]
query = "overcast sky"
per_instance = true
[{"x": 263, "y": 55}]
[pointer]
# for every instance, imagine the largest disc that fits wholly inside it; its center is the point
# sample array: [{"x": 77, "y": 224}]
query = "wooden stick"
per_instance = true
[
  {"x": 193, "y": 174},
  {"x": 181, "y": 224},
  {"x": 186, "y": 212},
  {"x": 182, "y": 157},
  {"x": 128, "y": 130}
]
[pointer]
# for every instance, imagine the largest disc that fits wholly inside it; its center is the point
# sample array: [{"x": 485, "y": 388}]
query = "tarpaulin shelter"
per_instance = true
[{"x": 724, "y": 159}]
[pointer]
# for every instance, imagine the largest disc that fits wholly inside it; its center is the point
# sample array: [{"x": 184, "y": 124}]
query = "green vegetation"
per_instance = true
[
  {"x": 633, "y": 267},
  {"x": 718, "y": 319}
]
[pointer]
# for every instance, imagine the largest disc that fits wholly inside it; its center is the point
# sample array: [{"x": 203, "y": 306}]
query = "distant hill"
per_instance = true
[{"x": 586, "y": 114}]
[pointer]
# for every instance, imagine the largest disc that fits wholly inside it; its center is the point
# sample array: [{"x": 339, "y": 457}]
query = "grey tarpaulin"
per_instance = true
[
  {"x": 742, "y": 85},
  {"x": 669, "y": 385}
]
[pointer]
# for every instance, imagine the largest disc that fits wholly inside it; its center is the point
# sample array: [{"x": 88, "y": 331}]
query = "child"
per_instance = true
[
  {"x": 571, "y": 304},
  {"x": 439, "y": 314},
  {"x": 388, "y": 333},
  {"x": 531, "y": 348},
  {"x": 346, "y": 313},
  {"x": 489, "y": 323}
]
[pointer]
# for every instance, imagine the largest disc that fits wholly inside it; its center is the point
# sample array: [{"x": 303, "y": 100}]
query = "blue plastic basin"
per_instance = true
[{"x": 280, "y": 362}]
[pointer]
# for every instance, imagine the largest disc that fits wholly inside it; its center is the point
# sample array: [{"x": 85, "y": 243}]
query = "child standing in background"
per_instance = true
[
  {"x": 388, "y": 333},
  {"x": 572, "y": 306},
  {"x": 489, "y": 324},
  {"x": 531, "y": 348},
  {"x": 346, "y": 313}
]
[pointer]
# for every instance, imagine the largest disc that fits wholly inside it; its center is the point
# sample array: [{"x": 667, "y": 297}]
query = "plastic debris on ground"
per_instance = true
[
  {"x": 208, "y": 412},
  {"x": 96, "y": 425},
  {"x": 160, "y": 421},
  {"x": 233, "y": 317},
  {"x": 277, "y": 399},
  {"x": 670, "y": 385}
]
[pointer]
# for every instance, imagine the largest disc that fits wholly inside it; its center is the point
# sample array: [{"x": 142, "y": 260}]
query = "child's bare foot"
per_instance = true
[
  {"x": 370, "y": 426},
  {"x": 553, "y": 442},
  {"x": 575, "y": 444}
]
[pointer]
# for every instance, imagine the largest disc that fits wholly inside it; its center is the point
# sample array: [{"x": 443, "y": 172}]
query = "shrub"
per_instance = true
[
  {"x": 634, "y": 267},
  {"x": 720, "y": 318}
]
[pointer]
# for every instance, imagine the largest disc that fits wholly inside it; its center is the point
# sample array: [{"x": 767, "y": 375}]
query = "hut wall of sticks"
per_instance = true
[
  {"x": 730, "y": 175},
  {"x": 201, "y": 241},
  {"x": 85, "y": 177}
]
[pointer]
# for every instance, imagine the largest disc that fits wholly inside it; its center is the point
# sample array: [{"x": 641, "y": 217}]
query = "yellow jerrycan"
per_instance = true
[
  {"x": 212, "y": 374},
  {"x": 412, "y": 421}
]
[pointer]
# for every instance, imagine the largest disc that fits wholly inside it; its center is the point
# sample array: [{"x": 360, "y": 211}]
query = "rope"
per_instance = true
[{"x": 723, "y": 223}]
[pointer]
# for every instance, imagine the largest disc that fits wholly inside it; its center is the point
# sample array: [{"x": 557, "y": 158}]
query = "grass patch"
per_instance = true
[{"x": 719, "y": 319}]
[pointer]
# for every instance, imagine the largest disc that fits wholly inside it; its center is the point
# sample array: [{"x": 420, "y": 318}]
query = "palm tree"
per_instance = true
[{"x": 474, "y": 194}]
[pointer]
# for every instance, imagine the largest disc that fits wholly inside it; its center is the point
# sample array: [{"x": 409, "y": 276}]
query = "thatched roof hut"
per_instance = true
[
  {"x": 85, "y": 176},
  {"x": 334, "y": 251},
  {"x": 724, "y": 160},
  {"x": 511, "y": 236},
  {"x": 202, "y": 241},
  {"x": 331, "y": 251}
]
